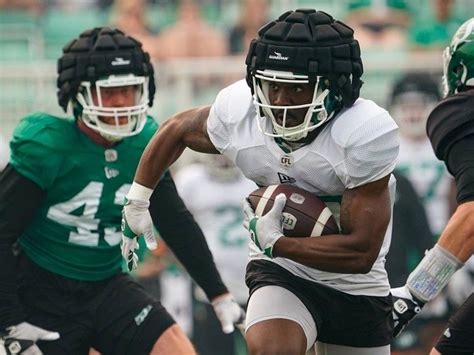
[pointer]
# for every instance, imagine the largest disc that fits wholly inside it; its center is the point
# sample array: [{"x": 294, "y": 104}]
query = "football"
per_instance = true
[{"x": 304, "y": 214}]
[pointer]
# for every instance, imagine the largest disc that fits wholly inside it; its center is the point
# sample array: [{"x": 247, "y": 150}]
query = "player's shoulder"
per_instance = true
[
  {"x": 234, "y": 101},
  {"x": 141, "y": 140},
  {"x": 43, "y": 129},
  {"x": 362, "y": 122},
  {"x": 451, "y": 120}
]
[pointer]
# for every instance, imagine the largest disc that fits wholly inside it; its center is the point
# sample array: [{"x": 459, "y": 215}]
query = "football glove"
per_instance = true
[
  {"x": 266, "y": 230},
  {"x": 229, "y": 313},
  {"x": 22, "y": 338},
  {"x": 136, "y": 221},
  {"x": 405, "y": 308}
]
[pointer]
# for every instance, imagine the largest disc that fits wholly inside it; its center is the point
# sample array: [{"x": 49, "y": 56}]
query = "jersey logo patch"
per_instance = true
[
  {"x": 110, "y": 155},
  {"x": 286, "y": 160},
  {"x": 285, "y": 179},
  {"x": 110, "y": 172}
]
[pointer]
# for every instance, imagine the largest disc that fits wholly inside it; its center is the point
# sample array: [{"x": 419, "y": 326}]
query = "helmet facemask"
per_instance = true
[
  {"x": 316, "y": 114},
  {"x": 93, "y": 112}
]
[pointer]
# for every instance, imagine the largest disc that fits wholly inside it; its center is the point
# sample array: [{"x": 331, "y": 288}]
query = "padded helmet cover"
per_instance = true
[
  {"x": 309, "y": 42},
  {"x": 96, "y": 54}
]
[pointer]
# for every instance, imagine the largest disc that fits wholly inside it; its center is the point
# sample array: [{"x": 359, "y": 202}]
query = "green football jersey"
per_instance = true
[{"x": 76, "y": 231}]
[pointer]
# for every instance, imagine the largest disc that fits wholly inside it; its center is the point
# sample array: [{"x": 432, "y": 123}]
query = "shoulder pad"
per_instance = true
[
  {"x": 451, "y": 120},
  {"x": 44, "y": 129}
]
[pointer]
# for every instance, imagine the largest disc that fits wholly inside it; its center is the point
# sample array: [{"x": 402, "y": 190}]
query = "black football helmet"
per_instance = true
[
  {"x": 103, "y": 58},
  {"x": 304, "y": 46}
]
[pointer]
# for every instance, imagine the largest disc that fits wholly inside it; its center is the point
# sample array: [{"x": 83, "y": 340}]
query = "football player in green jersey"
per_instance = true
[{"x": 61, "y": 285}]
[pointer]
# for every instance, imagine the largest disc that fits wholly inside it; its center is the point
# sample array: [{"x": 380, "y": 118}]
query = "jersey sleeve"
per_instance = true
[
  {"x": 370, "y": 151},
  {"x": 31, "y": 153},
  {"x": 217, "y": 128}
]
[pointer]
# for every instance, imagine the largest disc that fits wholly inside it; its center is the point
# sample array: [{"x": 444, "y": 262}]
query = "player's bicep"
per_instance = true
[
  {"x": 195, "y": 134},
  {"x": 365, "y": 213}
]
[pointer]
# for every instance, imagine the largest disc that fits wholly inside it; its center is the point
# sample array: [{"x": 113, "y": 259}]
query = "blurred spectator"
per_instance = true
[
  {"x": 413, "y": 96},
  {"x": 190, "y": 36},
  {"x": 379, "y": 23},
  {"x": 4, "y": 153},
  {"x": 411, "y": 234},
  {"x": 216, "y": 206},
  {"x": 130, "y": 17},
  {"x": 433, "y": 25},
  {"x": 33, "y": 7},
  {"x": 253, "y": 15}
]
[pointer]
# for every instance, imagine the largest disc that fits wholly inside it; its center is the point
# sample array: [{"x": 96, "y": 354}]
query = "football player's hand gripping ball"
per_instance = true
[
  {"x": 22, "y": 338},
  {"x": 266, "y": 230},
  {"x": 136, "y": 221},
  {"x": 405, "y": 308},
  {"x": 229, "y": 313}
]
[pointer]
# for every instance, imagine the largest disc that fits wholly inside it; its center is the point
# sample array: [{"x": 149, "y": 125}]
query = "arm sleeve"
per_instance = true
[
  {"x": 19, "y": 199},
  {"x": 460, "y": 162},
  {"x": 182, "y": 234}
]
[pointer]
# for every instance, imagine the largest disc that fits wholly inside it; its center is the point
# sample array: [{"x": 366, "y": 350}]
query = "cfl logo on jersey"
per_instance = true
[
  {"x": 288, "y": 220},
  {"x": 110, "y": 172},
  {"x": 286, "y": 160},
  {"x": 110, "y": 155}
]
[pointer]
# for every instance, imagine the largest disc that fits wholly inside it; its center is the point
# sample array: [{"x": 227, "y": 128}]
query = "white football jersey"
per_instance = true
[
  {"x": 357, "y": 147},
  {"x": 429, "y": 177},
  {"x": 217, "y": 208}
]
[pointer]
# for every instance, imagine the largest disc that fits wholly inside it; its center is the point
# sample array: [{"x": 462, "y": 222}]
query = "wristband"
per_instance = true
[{"x": 139, "y": 192}]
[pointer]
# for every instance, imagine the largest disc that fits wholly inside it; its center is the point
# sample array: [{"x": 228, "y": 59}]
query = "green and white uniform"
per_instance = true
[{"x": 76, "y": 231}]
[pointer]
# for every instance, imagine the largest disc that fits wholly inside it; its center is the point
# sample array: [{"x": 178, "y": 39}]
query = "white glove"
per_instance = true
[
  {"x": 266, "y": 230},
  {"x": 136, "y": 221},
  {"x": 22, "y": 338},
  {"x": 405, "y": 308},
  {"x": 228, "y": 312}
]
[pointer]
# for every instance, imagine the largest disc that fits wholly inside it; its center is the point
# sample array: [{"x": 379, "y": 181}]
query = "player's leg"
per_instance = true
[
  {"x": 331, "y": 349},
  {"x": 173, "y": 342},
  {"x": 458, "y": 338},
  {"x": 278, "y": 323},
  {"x": 130, "y": 321}
]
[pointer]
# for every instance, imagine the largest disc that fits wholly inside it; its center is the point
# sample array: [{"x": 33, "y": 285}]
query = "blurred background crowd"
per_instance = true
[{"x": 198, "y": 47}]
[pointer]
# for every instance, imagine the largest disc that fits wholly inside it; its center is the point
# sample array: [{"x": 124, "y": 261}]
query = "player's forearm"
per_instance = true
[
  {"x": 331, "y": 253},
  {"x": 458, "y": 236},
  {"x": 163, "y": 149}
]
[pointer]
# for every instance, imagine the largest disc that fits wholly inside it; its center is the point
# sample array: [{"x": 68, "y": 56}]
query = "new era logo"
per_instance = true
[
  {"x": 285, "y": 179},
  {"x": 277, "y": 56},
  {"x": 120, "y": 61}
]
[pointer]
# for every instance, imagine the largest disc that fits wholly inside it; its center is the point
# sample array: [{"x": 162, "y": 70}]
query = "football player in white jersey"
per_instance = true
[
  {"x": 213, "y": 189},
  {"x": 413, "y": 97},
  {"x": 302, "y": 123}
]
